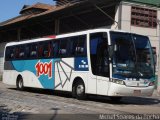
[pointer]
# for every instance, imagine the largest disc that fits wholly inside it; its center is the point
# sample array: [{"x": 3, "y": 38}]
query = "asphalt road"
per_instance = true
[{"x": 47, "y": 104}]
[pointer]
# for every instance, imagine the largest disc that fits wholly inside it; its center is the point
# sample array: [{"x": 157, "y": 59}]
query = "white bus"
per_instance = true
[{"x": 100, "y": 61}]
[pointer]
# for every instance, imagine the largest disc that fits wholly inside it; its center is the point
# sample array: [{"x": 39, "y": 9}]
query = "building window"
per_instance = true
[{"x": 143, "y": 17}]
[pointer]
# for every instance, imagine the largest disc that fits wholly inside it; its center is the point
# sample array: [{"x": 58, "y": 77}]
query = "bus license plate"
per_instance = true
[{"x": 137, "y": 92}]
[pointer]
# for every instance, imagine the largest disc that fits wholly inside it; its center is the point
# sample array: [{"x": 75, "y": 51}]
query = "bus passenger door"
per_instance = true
[{"x": 100, "y": 61}]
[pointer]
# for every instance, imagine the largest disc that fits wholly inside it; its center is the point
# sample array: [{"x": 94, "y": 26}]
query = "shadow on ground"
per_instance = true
[
  {"x": 41, "y": 116},
  {"x": 126, "y": 100},
  {"x": 6, "y": 114},
  {"x": 102, "y": 99}
]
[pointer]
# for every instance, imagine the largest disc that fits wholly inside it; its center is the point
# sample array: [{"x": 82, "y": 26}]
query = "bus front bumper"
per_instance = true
[{"x": 123, "y": 90}]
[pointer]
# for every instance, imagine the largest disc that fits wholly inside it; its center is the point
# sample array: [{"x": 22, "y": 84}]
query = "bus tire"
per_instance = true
[
  {"x": 79, "y": 90},
  {"x": 74, "y": 91},
  {"x": 19, "y": 83}
]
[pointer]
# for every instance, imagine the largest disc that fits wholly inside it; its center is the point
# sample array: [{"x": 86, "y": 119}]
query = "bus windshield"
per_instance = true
[{"x": 132, "y": 57}]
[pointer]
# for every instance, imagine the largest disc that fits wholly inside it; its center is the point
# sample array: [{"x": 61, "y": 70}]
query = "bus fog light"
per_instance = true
[{"x": 151, "y": 83}]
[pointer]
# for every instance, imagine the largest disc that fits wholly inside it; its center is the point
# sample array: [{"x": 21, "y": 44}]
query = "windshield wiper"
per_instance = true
[{"x": 140, "y": 74}]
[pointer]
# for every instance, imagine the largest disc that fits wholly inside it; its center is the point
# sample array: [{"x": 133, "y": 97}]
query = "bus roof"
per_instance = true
[{"x": 63, "y": 36}]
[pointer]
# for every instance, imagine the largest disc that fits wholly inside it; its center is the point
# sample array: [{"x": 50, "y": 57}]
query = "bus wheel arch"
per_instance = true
[
  {"x": 78, "y": 88},
  {"x": 20, "y": 83}
]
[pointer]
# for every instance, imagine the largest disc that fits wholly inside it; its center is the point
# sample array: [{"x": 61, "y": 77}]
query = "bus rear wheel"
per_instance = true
[
  {"x": 79, "y": 90},
  {"x": 20, "y": 83}
]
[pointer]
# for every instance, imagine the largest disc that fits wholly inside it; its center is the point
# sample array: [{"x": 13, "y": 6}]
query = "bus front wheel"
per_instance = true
[
  {"x": 20, "y": 83},
  {"x": 79, "y": 90}
]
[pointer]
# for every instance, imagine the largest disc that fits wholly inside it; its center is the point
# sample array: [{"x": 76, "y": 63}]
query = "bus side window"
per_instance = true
[
  {"x": 33, "y": 51},
  {"x": 16, "y": 52},
  {"x": 27, "y": 51},
  {"x": 49, "y": 49},
  {"x": 63, "y": 48},
  {"x": 9, "y": 55},
  {"x": 73, "y": 45},
  {"x": 79, "y": 46},
  {"x": 40, "y": 50},
  {"x": 55, "y": 47},
  {"x": 46, "y": 49},
  {"x": 21, "y": 52}
]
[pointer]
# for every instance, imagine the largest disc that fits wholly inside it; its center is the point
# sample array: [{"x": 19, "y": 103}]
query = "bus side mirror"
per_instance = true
[{"x": 111, "y": 51}]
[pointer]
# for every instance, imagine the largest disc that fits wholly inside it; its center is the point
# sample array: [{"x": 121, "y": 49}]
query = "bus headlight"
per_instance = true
[{"x": 121, "y": 82}]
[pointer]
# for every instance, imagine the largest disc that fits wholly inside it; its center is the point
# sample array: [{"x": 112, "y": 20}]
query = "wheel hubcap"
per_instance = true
[{"x": 80, "y": 89}]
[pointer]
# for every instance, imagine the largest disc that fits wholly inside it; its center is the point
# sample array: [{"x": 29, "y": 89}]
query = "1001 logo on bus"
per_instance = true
[{"x": 44, "y": 69}]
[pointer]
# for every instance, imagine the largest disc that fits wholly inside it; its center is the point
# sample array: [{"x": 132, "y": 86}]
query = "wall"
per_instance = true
[{"x": 2, "y": 46}]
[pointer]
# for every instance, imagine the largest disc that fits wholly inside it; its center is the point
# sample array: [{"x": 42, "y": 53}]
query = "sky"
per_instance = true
[{"x": 11, "y": 8}]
